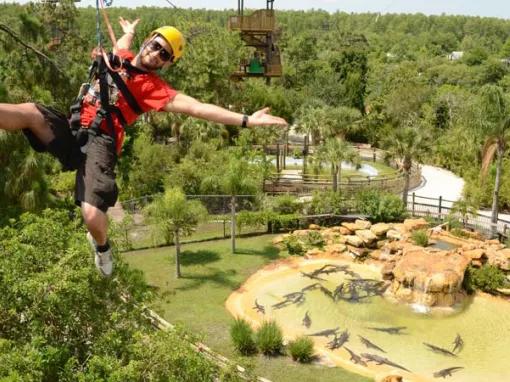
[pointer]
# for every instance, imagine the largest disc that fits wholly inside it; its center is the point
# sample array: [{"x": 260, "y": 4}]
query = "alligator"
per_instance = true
[
  {"x": 325, "y": 333},
  {"x": 369, "y": 344},
  {"x": 259, "y": 308},
  {"x": 339, "y": 341},
  {"x": 355, "y": 358},
  {"x": 394, "y": 330},
  {"x": 311, "y": 287},
  {"x": 446, "y": 372},
  {"x": 327, "y": 292},
  {"x": 312, "y": 276},
  {"x": 381, "y": 360},
  {"x": 439, "y": 350},
  {"x": 458, "y": 344},
  {"x": 307, "y": 321}
]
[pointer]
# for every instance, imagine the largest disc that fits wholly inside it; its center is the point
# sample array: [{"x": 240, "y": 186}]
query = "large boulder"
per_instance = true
[
  {"x": 367, "y": 236},
  {"x": 335, "y": 249},
  {"x": 354, "y": 240},
  {"x": 358, "y": 224},
  {"x": 393, "y": 235},
  {"x": 380, "y": 229},
  {"x": 363, "y": 224},
  {"x": 429, "y": 275},
  {"x": 499, "y": 259},
  {"x": 414, "y": 224}
]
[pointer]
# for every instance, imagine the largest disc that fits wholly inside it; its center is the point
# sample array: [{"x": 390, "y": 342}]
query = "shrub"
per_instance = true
[
  {"x": 420, "y": 237},
  {"x": 301, "y": 349},
  {"x": 487, "y": 278},
  {"x": 314, "y": 239},
  {"x": 294, "y": 245},
  {"x": 327, "y": 202},
  {"x": 285, "y": 204},
  {"x": 380, "y": 206},
  {"x": 269, "y": 338},
  {"x": 242, "y": 337}
]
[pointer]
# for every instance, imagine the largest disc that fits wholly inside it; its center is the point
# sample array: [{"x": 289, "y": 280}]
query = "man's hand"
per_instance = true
[
  {"x": 128, "y": 26},
  {"x": 262, "y": 118}
]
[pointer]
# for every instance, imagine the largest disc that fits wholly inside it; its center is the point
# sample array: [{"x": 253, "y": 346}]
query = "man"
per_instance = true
[{"x": 95, "y": 157}]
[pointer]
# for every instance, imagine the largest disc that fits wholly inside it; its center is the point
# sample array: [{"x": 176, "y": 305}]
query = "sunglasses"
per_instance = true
[{"x": 164, "y": 55}]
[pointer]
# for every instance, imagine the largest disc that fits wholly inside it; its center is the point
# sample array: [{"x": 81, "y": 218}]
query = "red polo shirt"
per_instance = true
[{"x": 150, "y": 91}]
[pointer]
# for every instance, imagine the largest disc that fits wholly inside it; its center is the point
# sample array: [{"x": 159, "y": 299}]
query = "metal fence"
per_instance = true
[
  {"x": 443, "y": 209},
  {"x": 135, "y": 233}
]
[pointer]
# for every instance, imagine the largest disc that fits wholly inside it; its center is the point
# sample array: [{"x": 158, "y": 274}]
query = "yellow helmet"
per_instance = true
[{"x": 174, "y": 38}]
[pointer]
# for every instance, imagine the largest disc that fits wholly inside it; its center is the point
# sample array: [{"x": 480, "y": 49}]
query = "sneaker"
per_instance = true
[{"x": 103, "y": 260}]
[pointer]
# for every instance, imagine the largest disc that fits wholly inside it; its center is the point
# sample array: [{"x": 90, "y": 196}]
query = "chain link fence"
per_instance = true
[{"x": 130, "y": 231}]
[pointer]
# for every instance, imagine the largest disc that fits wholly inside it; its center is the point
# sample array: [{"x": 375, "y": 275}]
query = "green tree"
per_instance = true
[
  {"x": 335, "y": 151},
  {"x": 237, "y": 177},
  {"x": 409, "y": 144},
  {"x": 173, "y": 216},
  {"x": 497, "y": 126}
]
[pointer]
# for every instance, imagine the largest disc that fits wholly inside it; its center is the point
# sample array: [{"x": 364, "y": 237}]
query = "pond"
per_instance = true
[
  {"x": 365, "y": 168},
  {"x": 420, "y": 343}
]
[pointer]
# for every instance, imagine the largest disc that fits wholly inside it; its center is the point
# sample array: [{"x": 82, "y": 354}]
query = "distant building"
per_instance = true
[{"x": 454, "y": 56}]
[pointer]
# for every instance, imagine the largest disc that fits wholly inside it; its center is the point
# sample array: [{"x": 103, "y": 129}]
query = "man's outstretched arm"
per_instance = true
[
  {"x": 184, "y": 104},
  {"x": 128, "y": 28}
]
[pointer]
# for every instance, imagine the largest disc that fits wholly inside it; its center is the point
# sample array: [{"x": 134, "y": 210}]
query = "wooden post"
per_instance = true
[
  {"x": 440, "y": 206},
  {"x": 278, "y": 168},
  {"x": 414, "y": 197}
]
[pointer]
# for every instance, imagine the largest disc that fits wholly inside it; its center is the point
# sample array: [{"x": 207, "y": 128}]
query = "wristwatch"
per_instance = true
[{"x": 245, "y": 121}]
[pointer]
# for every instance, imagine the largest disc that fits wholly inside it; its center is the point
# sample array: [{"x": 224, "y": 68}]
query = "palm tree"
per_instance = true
[
  {"x": 408, "y": 143},
  {"x": 497, "y": 128},
  {"x": 335, "y": 151},
  {"x": 237, "y": 177},
  {"x": 173, "y": 216}
]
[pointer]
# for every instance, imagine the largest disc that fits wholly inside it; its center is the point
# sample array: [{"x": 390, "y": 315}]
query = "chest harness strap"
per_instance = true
[{"x": 99, "y": 71}]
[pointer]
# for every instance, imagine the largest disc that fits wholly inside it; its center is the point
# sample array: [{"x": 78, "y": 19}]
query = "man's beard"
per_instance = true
[{"x": 150, "y": 64}]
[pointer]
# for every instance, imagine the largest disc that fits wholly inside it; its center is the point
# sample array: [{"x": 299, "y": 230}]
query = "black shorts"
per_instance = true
[{"x": 95, "y": 175}]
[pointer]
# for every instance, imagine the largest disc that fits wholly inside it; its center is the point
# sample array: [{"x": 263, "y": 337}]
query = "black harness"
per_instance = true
[{"x": 100, "y": 71}]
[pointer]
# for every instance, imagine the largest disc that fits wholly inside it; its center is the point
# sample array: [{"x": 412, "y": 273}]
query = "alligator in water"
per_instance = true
[
  {"x": 312, "y": 276},
  {"x": 381, "y": 360},
  {"x": 259, "y": 308},
  {"x": 439, "y": 350},
  {"x": 394, "y": 330},
  {"x": 311, "y": 287},
  {"x": 458, "y": 344},
  {"x": 447, "y": 372},
  {"x": 325, "y": 333},
  {"x": 307, "y": 321},
  {"x": 356, "y": 358},
  {"x": 369, "y": 344},
  {"x": 339, "y": 341}
]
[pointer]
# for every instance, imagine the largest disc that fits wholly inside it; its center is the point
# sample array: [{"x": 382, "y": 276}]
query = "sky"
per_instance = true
[{"x": 489, "y": 8}]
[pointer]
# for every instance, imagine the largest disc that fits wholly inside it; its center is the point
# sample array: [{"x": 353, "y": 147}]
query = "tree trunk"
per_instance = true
[
  {"x": 495, "y": 194},
  {"x": 407, "y": 174},
  {"x": 335, "y": 177},
  {"x": 305, "y": 154},
  {"x": 339, "y": 176},
  {"x": 177, "y": 254},
  {"x": 233, "y": 223},
  {"x": 278, "y": 168}
]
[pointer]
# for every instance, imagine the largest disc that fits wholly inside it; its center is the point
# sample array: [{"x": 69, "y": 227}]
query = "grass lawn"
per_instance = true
[{"x": 209, "y": 274}]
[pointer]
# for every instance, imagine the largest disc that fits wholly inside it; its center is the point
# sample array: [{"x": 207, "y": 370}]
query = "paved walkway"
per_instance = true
[{"x": 440, "y": 182}]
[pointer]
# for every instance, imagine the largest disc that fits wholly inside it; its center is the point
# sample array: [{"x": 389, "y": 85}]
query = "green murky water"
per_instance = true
[{"x": 483, "y": 323}]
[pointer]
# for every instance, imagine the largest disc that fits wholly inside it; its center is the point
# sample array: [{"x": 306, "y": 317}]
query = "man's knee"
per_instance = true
[{"x": 91, "y": 213}]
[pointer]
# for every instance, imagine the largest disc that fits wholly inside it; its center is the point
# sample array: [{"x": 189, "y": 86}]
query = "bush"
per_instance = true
[
  {"x": 420, "y": 237},
  {"x": 301, "y": 349},
  {"x": 314, "y": 239},
  {"x": 242, "y": 337},
  {"x": 327, "y": 202},
  {"x": 269, "y": 338},
  {"x": 380, "y": 206},
  {"x": 487, "y": 278},
  {"x": 294, "y": 245},
  {"x": 285, "y": 204}
]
